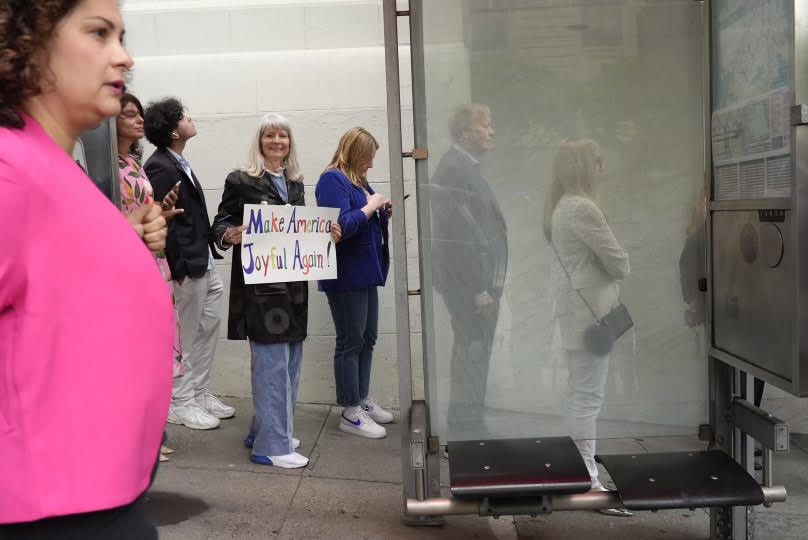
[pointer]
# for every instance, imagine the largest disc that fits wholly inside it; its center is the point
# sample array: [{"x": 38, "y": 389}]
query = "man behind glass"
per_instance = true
[{"x": 470, "y": 258}]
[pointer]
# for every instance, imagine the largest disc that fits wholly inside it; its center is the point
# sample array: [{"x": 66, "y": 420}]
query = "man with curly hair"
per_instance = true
[{"x": 190, "y": 252}]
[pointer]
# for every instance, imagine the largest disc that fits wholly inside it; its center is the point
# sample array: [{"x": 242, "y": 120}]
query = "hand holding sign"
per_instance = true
[{"x": 233, "y": 234}]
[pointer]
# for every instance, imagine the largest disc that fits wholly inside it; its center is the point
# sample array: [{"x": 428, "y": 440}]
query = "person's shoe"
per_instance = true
[
  {"x": 288, "y": 461},
  {"x": 618, "y": 512},
  {"x": 163, "y": 458},
  {"x": 166, "y": 450},
  {"x": 249, "y": 441},
  {"x": 192, "y": 416},
  {"x": 214, "y": 406},
  {"x": 379, "y": 415},
  {"x": 362, "y": 425}
]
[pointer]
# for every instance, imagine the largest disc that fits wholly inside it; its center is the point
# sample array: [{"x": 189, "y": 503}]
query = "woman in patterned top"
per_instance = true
[{"x": 136, "y": 191}]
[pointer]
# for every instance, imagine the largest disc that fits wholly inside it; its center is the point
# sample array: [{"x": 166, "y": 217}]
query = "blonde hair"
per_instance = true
[
  {"x": 575, "y": 172},
  {"x": 256, "y": 164},
  {"x": 356, "y": 145}
]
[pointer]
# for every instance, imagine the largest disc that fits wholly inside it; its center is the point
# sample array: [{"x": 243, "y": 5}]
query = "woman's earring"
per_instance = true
[{"x": 174, "y": 135}]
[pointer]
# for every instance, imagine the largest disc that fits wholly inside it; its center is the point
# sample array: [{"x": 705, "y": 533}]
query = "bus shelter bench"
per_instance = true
[{"x": 681, "y": 480}]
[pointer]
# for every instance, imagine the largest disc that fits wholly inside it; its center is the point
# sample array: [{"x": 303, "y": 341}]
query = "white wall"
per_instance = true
[{"x": 319, "y": 63}]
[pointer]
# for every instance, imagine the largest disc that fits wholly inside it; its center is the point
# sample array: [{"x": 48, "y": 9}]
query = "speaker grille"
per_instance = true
[{"x": 750, "y": 243}]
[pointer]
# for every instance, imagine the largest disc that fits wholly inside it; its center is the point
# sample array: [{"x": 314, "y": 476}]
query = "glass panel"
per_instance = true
[{"x": 622, "y": 83}]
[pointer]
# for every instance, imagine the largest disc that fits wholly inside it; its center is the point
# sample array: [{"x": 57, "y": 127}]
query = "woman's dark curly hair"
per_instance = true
[
  {"x": 25, "y": 28},
  {"x": 161, "y": 119},
  {"x": 126, "y": 99}
]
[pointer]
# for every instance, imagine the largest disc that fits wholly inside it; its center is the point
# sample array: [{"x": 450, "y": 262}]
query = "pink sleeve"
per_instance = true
[{"x": 13, "y": 225}]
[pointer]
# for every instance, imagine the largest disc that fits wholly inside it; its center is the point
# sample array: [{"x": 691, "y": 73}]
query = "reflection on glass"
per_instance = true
[
  {"x": 590, "y": 263},
  {"x": 469, "y": 264},
  {"x": 627, "y": 75}
]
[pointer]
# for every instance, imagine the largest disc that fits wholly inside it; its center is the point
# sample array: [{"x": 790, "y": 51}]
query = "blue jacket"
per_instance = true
[{"x": 363, "y": 255}]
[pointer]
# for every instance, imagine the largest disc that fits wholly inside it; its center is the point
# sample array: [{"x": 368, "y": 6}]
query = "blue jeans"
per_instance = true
[
  {"x": 356, "y": 320},
  {"x": 275, "y": 378}
]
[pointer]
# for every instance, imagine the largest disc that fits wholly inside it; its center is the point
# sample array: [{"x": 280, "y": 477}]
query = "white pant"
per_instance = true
[
  {"x": 199, "y": 303},
  {"x": 583, "y": 400}
]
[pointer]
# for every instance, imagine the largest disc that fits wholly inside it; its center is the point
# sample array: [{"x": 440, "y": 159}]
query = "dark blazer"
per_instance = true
[
  {"x": 269, "y": 312},
  {"x": 469, "y": 235},
  {"x": 188, "y": 233},
  {"x": 363, "y": 254}
]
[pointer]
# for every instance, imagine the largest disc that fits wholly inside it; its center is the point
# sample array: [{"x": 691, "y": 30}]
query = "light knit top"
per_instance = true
[{"x": 594, "y": 260}]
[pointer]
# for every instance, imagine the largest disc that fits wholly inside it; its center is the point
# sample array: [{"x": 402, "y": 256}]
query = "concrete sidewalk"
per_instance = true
[{"x": 351, "y": 489}]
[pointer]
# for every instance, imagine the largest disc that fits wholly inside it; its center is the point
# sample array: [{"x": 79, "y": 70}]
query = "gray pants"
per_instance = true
[{"x": 199, "y": 302}]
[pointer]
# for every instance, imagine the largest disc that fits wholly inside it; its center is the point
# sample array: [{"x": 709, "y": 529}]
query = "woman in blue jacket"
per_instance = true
[{"x": 363, "y": 258}]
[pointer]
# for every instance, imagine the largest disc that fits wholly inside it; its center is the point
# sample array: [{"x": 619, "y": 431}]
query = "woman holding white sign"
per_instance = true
[
  {"x": 363, "y": 259},
  {"x": 272, "y": 316}
]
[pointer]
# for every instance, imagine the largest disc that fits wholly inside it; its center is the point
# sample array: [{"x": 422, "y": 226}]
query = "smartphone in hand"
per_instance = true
[{"x": 171, "y": 198}]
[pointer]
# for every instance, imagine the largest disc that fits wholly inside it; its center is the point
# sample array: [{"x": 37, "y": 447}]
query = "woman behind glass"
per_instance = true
[
  {"x": 592, "y": 262},
  {"x": 363, "y": 259},
  {"x": 74, "y": 366},
  {"x": 136, "y": 190},
  {"x": 272, "y": 316}
]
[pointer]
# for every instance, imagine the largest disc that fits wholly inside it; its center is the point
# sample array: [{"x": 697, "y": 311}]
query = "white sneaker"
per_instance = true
[
  {"x": 214, "y": 406},
  {"x": 362, "y": 425},
  {"x": 192, "y": 416},
  {"x": 295, "y": 443},
  {"x": 286, "y": 461},
  {"x": 379, "y": 415}
]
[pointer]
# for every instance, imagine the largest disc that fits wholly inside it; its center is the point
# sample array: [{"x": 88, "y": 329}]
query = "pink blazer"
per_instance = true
[{"x": 86, "y": 334}]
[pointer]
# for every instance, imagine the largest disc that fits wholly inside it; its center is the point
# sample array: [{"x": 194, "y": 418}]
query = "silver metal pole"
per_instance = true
[
  {"x": 768, "y": 462},
  {"x": 592, "y": 500},
  {"x": 419, "y": 118},
  {"x": 399, "y": 237}
]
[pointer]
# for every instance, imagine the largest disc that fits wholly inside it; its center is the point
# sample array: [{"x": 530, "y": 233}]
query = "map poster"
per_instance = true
[
  {"x": 752, "y": 96},
  {"x": 751, "y": 148}
]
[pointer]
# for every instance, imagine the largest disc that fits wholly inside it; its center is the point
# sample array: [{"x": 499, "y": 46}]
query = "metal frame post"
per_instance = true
[
  {"x": 419, "y": 114},
  {"x": 399, "y": 240},
  {"x": 727, "y": 523}
]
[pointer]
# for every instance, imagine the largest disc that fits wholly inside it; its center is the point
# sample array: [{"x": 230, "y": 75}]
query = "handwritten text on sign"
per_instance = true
[{"x": 288, "y": 243}]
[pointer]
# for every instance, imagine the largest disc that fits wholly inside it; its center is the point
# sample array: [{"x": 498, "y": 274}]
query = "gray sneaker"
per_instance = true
[
  {"x": 192, "y": 416},
  {"x": 214, "y": 406}
]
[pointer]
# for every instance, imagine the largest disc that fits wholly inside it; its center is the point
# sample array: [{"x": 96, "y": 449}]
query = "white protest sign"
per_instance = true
[{"x": 288, "y": 243}]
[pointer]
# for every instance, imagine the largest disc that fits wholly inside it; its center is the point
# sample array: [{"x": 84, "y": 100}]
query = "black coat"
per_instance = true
[
  {"x": 469, "y": 234},
  {"x": 188, "y": 233},
  {"x": 270, "y": 312}
]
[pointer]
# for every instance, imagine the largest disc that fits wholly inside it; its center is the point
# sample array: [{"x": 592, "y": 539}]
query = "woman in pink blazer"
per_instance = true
[{"x": 82, "y": 404}]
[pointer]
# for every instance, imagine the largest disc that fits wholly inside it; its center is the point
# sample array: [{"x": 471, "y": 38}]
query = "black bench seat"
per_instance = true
[
  {"x": 530, "y": 467},
  {"x": 681, "y": 480}
]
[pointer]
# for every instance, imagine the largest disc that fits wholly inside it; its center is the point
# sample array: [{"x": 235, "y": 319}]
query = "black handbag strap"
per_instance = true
[{"x": 592, "y": 311}]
